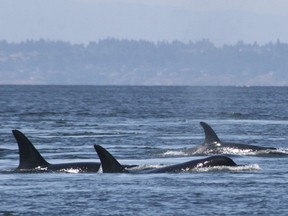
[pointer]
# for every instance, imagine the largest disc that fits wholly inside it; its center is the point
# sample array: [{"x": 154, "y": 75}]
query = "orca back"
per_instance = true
[
  {"x": 30, "y": 158},
  {"x": 218, "y": 161}
]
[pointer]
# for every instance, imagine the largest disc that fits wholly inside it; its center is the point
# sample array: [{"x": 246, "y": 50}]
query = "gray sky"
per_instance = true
[{"x": 82, "y": 21}]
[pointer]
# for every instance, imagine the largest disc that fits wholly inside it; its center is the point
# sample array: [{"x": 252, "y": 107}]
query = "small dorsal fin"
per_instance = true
[
  {"x": 29, "y": 156},
  {"x": 108, "y": 162},
  {"x": 210, "y": 135}
]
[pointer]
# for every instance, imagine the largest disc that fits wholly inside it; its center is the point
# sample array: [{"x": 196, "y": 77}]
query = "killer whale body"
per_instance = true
[
  {"x": 30, "y": 160},
  {"x": 111, "y": 165},
  {"x": 213, "y": 145}
]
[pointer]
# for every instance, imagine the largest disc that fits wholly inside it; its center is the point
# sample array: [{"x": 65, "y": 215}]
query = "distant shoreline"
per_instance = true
[{"x": 143, "y": 63}]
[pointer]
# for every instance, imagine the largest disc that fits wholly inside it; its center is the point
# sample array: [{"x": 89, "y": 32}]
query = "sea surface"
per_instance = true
[{"x": 145, "y": 126}]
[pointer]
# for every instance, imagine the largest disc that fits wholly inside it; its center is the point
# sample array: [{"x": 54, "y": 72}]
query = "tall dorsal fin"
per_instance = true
[
  {"x": 108, "y": 162},
  {"x": 29, "y": 156},
  {"x": 210, "y": 135}
]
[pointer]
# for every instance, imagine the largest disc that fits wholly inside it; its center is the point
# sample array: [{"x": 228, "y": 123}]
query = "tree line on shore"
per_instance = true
[{"x": 137, "y": 62}]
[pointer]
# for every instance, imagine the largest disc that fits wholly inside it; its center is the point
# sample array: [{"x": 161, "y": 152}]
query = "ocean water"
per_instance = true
[{"x": 146, "y": 126}]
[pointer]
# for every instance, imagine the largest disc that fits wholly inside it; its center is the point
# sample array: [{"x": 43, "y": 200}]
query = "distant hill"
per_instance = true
[{"x": 128, "y": 62}]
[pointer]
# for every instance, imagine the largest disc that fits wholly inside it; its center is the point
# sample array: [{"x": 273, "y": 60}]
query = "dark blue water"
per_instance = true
[{"x": 143, "y": 125}]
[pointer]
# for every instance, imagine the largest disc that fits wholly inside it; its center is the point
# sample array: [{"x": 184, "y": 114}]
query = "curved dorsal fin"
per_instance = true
[
  {"x": 210, "y": 135},
  {"x": 29, "y": 156},
  {"x": 108, "y": 162}
]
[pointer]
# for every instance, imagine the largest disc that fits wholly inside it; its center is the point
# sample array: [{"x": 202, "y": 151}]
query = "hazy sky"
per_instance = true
[{"x": 81, "y": 21}]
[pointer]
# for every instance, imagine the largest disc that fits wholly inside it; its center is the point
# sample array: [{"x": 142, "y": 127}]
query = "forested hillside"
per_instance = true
[{"x": 128, "y": 62}]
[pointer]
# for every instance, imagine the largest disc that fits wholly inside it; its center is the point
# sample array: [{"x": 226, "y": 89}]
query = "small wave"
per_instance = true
[
  {"x": 280, "y": 151},
  {"x": 243, "y": 152},
  {"x": 175, "y": 153},
  {"x": 146, "y": 167},
  {"x": 240, "y": 168},
  {"x": 71, "y": 170},
  {"x": 100, "y": 169},
  {"x": 4, "y": 152},
  {"x": 41, "y": 168}
]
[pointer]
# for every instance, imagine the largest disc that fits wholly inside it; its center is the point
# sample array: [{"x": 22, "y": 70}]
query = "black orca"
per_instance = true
[
  {"x": 111, "y": 165},
  {"x": 31, "y": 160},
  {"x": 213, "y": 145}
]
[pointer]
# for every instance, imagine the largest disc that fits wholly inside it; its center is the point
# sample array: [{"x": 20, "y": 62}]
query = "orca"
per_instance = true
[
  {"x": 213, "y": 145},
  {"x": 32, "y": 161},
  {"x": 111, "y": 165}
]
